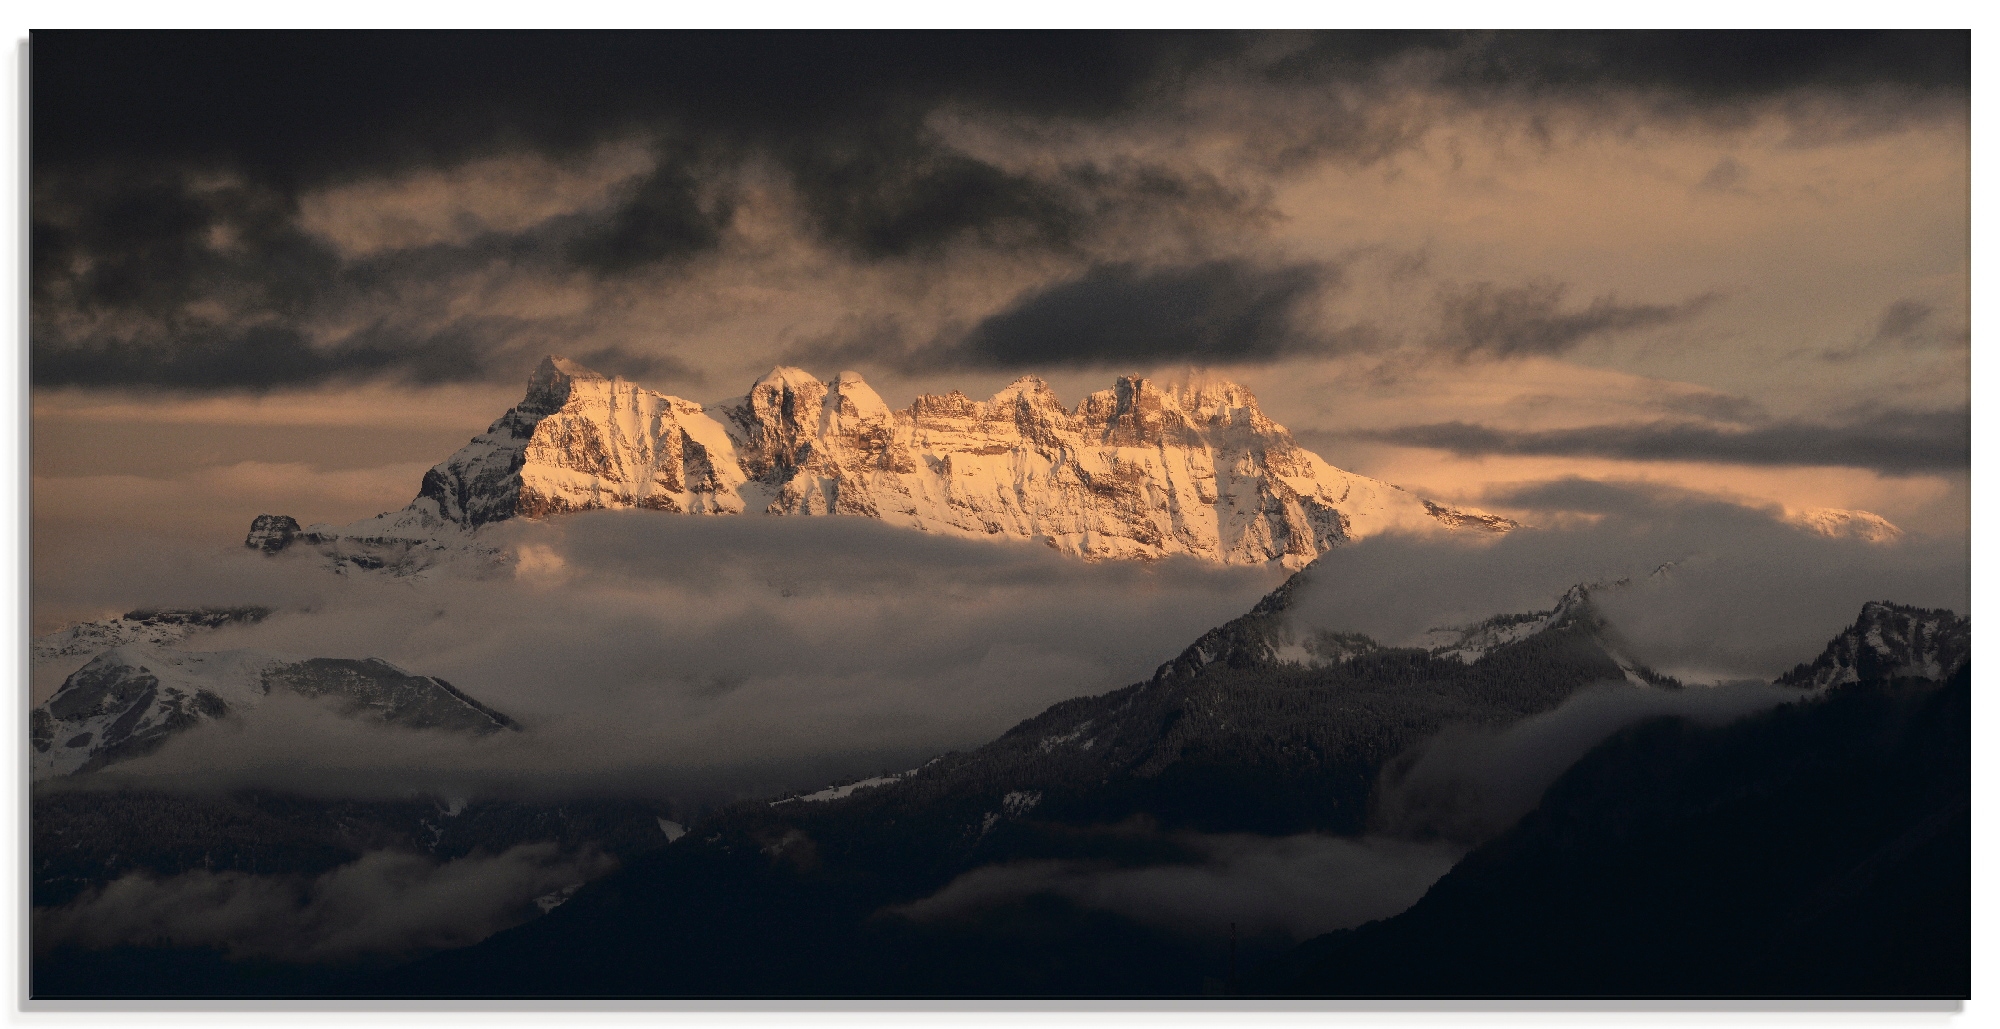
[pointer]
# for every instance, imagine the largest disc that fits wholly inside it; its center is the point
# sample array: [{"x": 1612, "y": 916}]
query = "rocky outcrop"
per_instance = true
[
  {"x": 1134, "y": 471},
  {"x": 1889, "y": 641},
  {"x": 272, "y": 533}
]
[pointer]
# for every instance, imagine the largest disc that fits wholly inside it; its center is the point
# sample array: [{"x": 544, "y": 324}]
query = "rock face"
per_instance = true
[
  {"x": 1135, "y": 471},
  {"x": 130, "y": 699},
  {"x": 1889, "y": 641},
  {"x": 272, "y": 533}
]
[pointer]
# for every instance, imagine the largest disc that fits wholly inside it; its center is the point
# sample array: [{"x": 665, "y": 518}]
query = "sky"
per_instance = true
[{"x": 287, "y": 273}]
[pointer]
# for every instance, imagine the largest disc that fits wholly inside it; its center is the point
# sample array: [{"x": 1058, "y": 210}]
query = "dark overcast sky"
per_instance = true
[{"x": 145, "y": 142}]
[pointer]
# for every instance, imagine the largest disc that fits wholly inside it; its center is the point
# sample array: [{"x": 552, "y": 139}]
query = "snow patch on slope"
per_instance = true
[{"x": 1839, "y": 523}]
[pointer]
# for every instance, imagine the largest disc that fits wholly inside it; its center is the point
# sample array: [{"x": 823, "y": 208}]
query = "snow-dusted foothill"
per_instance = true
[
  {"x": 129, "y": 699},
  {"x": 155, "y": 627}
]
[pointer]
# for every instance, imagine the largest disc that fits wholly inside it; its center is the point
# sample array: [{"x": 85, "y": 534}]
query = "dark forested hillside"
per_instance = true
[
  {"x": 793, "y": 895},
  {"x": 1819, "y": 849},
  {"x": 83, "y": 838},
  {"x": 1805, "y": 833}
]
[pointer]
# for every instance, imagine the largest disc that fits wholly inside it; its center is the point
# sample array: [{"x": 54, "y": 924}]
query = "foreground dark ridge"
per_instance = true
[
  {"x": 795, "y": 898},
  {"x": 1820, "y": 850}
]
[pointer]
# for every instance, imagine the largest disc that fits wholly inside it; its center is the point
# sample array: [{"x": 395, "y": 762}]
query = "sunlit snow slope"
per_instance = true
[{"x": 1134, "y": 471}]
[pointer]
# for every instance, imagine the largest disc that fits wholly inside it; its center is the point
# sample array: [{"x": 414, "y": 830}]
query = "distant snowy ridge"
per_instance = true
[
  {"x": 1135, "y": 471},
  {"x": 159, "y": 628},
  {"x": 130, "y": 699},
  {"x": 1841, "y": 523},
  {"x": 1267, "y": 635}
]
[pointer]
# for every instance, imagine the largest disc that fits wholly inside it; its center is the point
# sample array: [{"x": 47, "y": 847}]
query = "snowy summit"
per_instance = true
[{"x": 1134, "y": 471}]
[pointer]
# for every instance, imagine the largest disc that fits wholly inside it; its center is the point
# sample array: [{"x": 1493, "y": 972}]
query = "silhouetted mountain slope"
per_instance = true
[
  {"x": 789, "y": 897},
  {"x": 1820, "y": 849},
  {"x": 1775, "y": 856},
  {"x": 1886, "y": 641},
  {"x": 85, "y": 838}
]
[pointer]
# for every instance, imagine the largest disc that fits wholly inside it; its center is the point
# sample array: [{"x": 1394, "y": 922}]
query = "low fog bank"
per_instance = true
[
  {"x": 1467, "y": 785},
  {"x": 645, "y": 653},
  {"x": 702, "y": 659},
  {"x": 388, "y": 905},
  {"x": 1435, "y": 803},
  {"x": 1747, "y": 597},
  {"x": 1292, "y": 886}
]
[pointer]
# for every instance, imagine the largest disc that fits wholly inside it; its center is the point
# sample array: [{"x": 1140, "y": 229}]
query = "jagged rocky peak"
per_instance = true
[
  {"x": 550, "y": 384},
  {"x": 1889, "y": 641},
  {"x": 1135, "y": 471},
  {"x": 272, "y": 533},
  {"x": 1268, "y": 636}
]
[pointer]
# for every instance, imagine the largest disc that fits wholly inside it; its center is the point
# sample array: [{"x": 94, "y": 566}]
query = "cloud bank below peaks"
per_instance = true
[
  {"x": 677, "y": 656},
  {"x": 1747, "y": 596}
]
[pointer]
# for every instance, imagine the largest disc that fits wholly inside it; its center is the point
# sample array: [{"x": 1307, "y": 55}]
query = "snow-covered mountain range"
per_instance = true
[{"x": 1134, "y": 471}]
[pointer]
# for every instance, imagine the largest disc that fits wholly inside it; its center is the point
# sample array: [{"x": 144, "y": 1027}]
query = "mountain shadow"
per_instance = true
[{"x": 1821, "y": 849}]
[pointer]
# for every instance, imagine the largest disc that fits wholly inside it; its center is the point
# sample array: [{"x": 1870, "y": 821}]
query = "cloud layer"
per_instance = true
[
  {"x": 1747, "y": 595},
  {"x": 386, "y": 905},
  {"x": 1295, "y": 887},
  {"x": 687, "y": 658},
  {"x": 1890, "y": 442}
]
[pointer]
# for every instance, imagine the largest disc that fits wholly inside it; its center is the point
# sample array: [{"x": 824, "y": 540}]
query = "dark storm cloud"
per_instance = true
[
  {"x": 842, "y": 112},
  {"x": 326, "y": 106},
  {"x": 1217, "y": 311},
  {"x": 1485, "y": 320},
  {"x": 305, "y": 106},
  {"x": 148, "y": 277},
  {"x": 1901, "y": 321},
  {"x": 899, "y": 190},
  {"x": 1827, "y": 83},
  {"x": 133, "y": 254},
  {"x": 1906, "y": 324},
  {"x": 145, "y": 240},
  {"x": 1710, "y": 67},
  {"x": 842, "y": 115},
  {"x": 1720, "y": 407},
  {"x": 665, "y": 219},
  {"x": 1889, "y": 442}
]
